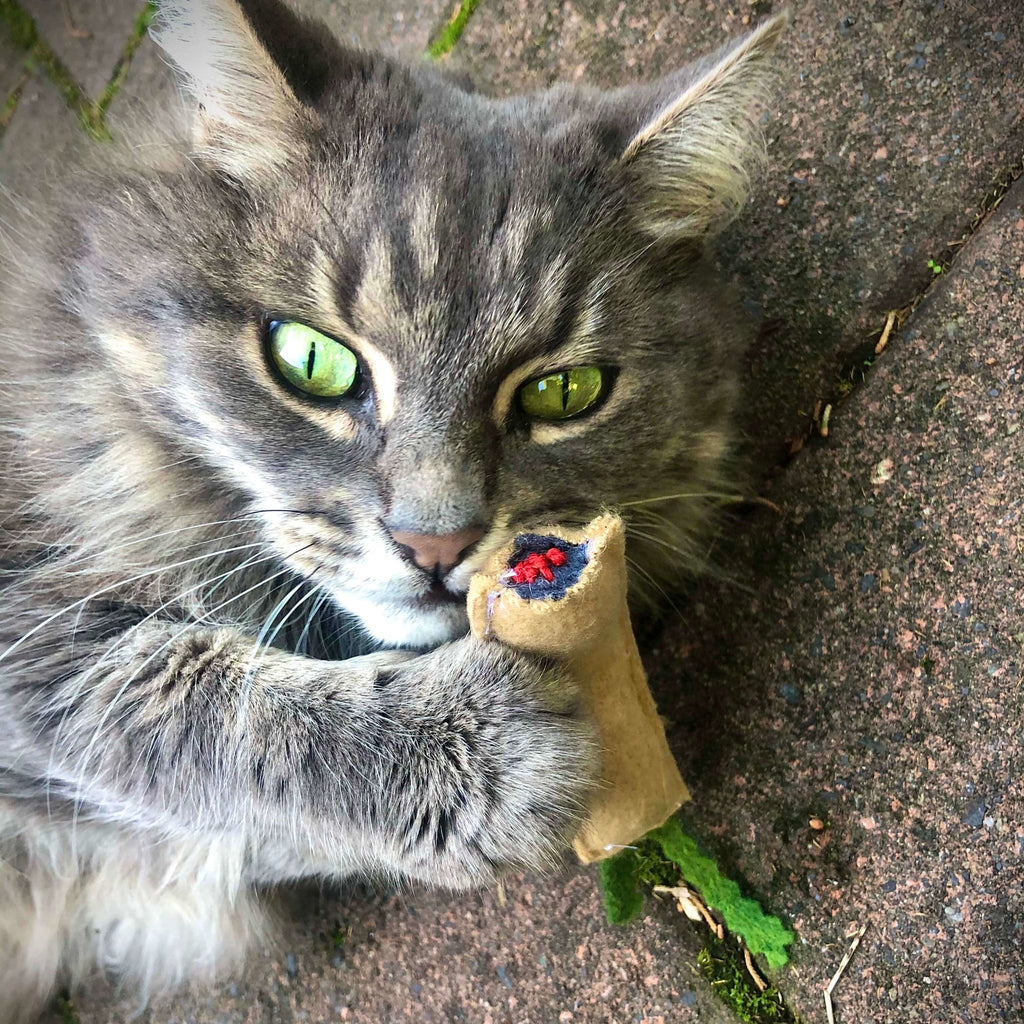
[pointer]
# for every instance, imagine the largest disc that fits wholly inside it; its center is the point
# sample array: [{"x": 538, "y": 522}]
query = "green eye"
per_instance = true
[
  {"x": 560, "y": 396},
  {"x": 312, "y": 361}
]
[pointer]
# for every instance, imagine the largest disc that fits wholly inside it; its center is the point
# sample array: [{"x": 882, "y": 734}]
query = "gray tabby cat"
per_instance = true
[{"x": 274, "y": 388}]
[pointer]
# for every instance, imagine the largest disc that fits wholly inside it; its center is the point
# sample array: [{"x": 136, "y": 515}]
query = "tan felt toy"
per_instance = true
[{"x": 562, "y": 593}]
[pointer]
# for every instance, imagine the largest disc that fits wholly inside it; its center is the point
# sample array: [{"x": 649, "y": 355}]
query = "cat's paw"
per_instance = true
[{"x": 505, "y": 764}]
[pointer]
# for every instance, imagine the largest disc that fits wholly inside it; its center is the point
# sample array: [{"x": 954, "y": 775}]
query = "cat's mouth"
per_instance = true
[{"x": 438, "y": 595}]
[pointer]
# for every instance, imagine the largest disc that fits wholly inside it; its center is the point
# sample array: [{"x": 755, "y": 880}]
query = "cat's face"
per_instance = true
[{"x": 344, "y": 302}]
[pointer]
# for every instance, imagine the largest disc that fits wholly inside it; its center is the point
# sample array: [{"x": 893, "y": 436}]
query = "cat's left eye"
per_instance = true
[{"x": 311, "y": 361}]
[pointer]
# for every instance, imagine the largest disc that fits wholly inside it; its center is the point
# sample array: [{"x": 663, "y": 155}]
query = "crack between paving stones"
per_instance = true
[
  {"x": 11, "y": 104},
  {"x": 858, "y": 363},
  {"x": 38, "y": 53},
  {"x": 142, "y": 22},
  {"x": 444, "y": 41}
]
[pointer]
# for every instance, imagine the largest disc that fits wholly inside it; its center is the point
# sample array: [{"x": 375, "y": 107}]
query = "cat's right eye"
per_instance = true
[
  {"x": 563, "y": 395},
  {"x": 310, "y": 361}
]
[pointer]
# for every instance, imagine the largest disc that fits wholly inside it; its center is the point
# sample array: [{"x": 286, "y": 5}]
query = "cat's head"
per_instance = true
[{"x": 403, "y": 321}]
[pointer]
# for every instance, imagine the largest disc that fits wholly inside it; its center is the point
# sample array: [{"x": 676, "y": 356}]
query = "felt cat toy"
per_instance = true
[{"x": 563, "y": 594}]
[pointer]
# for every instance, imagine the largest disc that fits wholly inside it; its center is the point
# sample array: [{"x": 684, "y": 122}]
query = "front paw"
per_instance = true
[{"x": 505, "y": 764}]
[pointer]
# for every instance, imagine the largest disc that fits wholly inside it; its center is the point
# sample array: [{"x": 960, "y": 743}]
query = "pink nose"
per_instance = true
[{"x": 437, "y": 552}]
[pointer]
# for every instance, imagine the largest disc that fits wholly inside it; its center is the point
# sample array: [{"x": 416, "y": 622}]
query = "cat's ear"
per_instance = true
[
  {"x": 249, "y": 120},
  {"x": 698, "y": 140}
]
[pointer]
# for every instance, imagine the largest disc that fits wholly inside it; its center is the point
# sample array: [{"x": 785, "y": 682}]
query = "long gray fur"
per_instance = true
[{"x": 217, "y": 669}]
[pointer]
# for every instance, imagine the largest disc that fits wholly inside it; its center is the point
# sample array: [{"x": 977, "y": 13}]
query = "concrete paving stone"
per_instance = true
[
  {"x": 890, "y": 122},
  {"x": 43, "y": 126},
  {"x": 546, "y": 955},
  {"x": 400, "y": 27},
  {"x": 870, "y": 673},
  {"x": 12, "y": 69},
  {"x": 91, "y": 45}
]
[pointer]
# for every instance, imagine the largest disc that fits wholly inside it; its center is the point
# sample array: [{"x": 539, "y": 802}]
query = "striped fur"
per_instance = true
[{"x": 217, "y": 669}]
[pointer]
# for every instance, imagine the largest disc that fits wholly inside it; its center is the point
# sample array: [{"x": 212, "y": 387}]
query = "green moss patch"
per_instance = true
[
  {"x": 446, "y": 39},
  {"x": 731, "y": 982},
  {"x": 11, "y": 105},
  {"x": 142, "y": 22},
  {"x": 669, "y": 857}
]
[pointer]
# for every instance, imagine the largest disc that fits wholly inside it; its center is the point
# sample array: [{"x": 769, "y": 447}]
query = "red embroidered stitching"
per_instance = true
[{"x": 536, "y": 565}]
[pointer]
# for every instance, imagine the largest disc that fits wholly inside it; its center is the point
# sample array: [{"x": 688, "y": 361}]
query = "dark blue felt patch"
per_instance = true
[{"x": 565, "y": 575}]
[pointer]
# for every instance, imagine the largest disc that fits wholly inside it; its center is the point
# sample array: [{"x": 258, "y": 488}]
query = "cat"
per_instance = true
[{"x": 276, "y": 383}]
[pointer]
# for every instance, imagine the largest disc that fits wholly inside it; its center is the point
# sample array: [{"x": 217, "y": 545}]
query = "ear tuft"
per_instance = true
[
  {"x": 248, "y": 118},
  {"x": 693, "y": 157}
]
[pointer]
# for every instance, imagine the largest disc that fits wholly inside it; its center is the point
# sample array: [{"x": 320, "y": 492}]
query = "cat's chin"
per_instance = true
[{"x": 416, "y": 622}]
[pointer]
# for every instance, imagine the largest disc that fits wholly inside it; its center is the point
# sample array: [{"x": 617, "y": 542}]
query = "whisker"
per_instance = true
[
  {"x": 303, "y": 639},
  {"x": 151, "y": 537},
  {"x": 653, "y": 539},
  {"x": 100, "y": 662},
  {"x": 728, "y": 499},
  {"x": 645, "y": 575},
  {"x": 265, "y": 638},
  {"x": 115, "y": 586}
]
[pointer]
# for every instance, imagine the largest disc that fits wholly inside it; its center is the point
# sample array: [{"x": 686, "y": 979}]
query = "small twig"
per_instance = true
[
  {"x": 839, "y": 971},
  {"x": 715, "y": 926},
  {"x": 69, "y": 25},
  {"x": 753, "y": 971},
  {"x": 686, "y": 902},
  {"x": 690, "y": 904},
  {"x": 500, "y": 893},
  {"x": 890, "y": 322}
]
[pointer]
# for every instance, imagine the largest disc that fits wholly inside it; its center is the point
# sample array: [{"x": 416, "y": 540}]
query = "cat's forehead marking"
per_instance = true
[
  {"x": 382, "y": 371},
  {"x": 581, "y": 347},
  {"x": 522, "y": 223},
  {"x": 549, "y": 293},
  {"x": 375, "y": 300},
  {"x": 423, "y": 233}
]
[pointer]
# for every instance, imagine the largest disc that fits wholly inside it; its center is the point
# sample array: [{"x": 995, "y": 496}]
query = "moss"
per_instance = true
[
  {"x": 11, "y": 105},
  {"x": 445, "y": 41},
  {"x": 142, "y": 22},
  {"x": 723, "y": 967},
  {"x": 620, "y": 887},
  {"x": 19, "y": 24},
  {"x": 668, "y": 856},
  {"x": 39, "y": 54},
  {"x": 654, "y": 867},
  {"x": 66, "y": 1009},
  {"x": 762, "y": 933},
  {"x": 26, "y": 37}
]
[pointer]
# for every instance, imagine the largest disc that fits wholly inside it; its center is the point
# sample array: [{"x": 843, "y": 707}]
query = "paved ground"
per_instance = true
[{"x": 860, "y": 662}]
